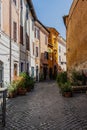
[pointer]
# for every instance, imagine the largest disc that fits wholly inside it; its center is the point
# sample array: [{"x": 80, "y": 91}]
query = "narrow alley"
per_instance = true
[{"x": 45, "y": 109}]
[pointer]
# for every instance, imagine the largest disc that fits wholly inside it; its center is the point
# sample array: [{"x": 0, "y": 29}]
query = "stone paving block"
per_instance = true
[{"x": 46, "y": 109}]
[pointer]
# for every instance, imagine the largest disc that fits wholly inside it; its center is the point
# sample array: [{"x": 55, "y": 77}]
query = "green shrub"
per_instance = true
[
  {"x": 29, "y": 81},
  {"x": 41, "y": 77},
  {"x": 26, "y": 77},
  {"x": 66, "y": 87},
  {"x": 21, "y": 83},
  {"x": 62, "y": 77},
  {"x": 12, "y": 90},
  {"x": 63, "y": 82},
  {"x": 77, "y": 78}
]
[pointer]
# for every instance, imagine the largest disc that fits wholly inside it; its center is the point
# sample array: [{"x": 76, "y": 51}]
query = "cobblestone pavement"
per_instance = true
[{"x": 46, "y": 109}]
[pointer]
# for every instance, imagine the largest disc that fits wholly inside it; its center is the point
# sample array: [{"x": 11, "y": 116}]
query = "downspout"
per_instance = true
[
  {"x": 29, "y": 44},
  {"x": 40, "y": 73},
  {"x": 19, "y": 37},
  {"x": 25, "y": 43},
  {"x": 10, "y": 51}
]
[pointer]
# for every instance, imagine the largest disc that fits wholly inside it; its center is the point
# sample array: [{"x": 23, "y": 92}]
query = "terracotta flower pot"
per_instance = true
[
  {"x": 12, "y": 95},
  {"x": 21, "y": 91},
  {"x": 67, "y": 94},
  {"x": 28, "y": 89}
]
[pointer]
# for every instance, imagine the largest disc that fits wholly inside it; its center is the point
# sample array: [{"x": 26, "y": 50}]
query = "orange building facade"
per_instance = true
[
  {"x": 76, "y": 34},
  {"x": 9, "y": 39},
  {"x": 41, "y": 49},
  {"x": 53, "y": 52}
]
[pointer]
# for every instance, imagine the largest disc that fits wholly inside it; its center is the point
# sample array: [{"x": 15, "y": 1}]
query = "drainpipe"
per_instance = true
[
  {"x": 10, "y": 20},
  {"x": 29, "y": 44}
]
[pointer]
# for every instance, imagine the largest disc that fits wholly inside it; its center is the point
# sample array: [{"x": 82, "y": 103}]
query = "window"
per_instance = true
[
  {"x": 15, "y": 69},
  {"x": 33, "y": 25},
  {"x": 28, "y": 68},
  {"x": 46, "y": 55},
  {"x": 22, "y": 66},
  {"x": 33, "y": 48},
  {"x": 15, "y": 2},
  {"x": 54, "y": 40},
  {"x": 21, "y": 3},
  {"x": 21, "y": 34},
  {"x": 21, "y": 20},
  {"x": 59, "y": 49},
  {"x": 0, "y": 13},
  {"x": 37, "y": 33},
  {"x": 21, "y": 12},
  {"x": 46, "y": 39},
  {"x": 60, "y": 59},
  {"x": 15, "y": 31},
  {"x": 37, "y": 73},
  {"x": 36, "y": 51},
  {"x": 32, "y": 71},
  {"x": 27, "y": 42},
  {"x": 27, "y": 12},
  {"x": 21, "y": 17},
  {"x": 65, "y": 53}
]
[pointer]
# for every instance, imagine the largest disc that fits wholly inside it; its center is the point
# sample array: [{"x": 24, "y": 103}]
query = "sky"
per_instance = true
[{"x": 51, "y": 12}]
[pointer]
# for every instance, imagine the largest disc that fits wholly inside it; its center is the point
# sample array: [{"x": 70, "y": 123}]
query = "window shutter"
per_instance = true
[
  {"x": 14, "y": 2},
  {"x": 35, "y": 32},
  {"x": 27, "y": 42},
  {"x": 21, "y": 34},
  {"x": 36, "y": 51},
  {"x": 15, "y": 31},
  {"x": 47, "y": 55}
]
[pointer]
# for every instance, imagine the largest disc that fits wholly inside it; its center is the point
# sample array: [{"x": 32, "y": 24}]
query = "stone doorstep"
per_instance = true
[
  {"x": 79, "y": 88},
  {"x": 85, "y": 86}
]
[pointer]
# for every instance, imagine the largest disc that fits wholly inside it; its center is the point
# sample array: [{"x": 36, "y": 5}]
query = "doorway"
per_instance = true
[
  {"x": 37, "y": 72},
  {"x": 45, "y": 69}
]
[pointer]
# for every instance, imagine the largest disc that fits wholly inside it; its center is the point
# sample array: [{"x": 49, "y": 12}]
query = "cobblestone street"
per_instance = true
[{"x": 46, "y": 109}]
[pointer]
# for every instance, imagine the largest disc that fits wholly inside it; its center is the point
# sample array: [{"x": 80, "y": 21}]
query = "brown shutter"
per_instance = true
[
  {"x": 21, "y": 34},
  {"x": 35, "y": 32},
  {"x": 27, "y": 42},
  {"x": 36, "y": 51},
  {"x": 15, "y": 31}
]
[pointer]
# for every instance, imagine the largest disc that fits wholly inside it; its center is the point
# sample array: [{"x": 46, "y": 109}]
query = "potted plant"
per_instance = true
[
  {"x": 62, "y": 77},
  {"x": 12, "y": 90},
  {"x": 41, "y": 77},
  {"x": 29, "y": 82},
  {"x": 66, "y": 89},
  {"x": 21, "y": 88}
]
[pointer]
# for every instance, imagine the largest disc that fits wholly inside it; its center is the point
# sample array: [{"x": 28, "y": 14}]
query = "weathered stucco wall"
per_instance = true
[{"x": 77, "y": 35}]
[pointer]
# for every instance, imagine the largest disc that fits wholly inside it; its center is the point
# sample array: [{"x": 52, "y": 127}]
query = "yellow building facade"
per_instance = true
[{"x": 53, "y": 52}]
